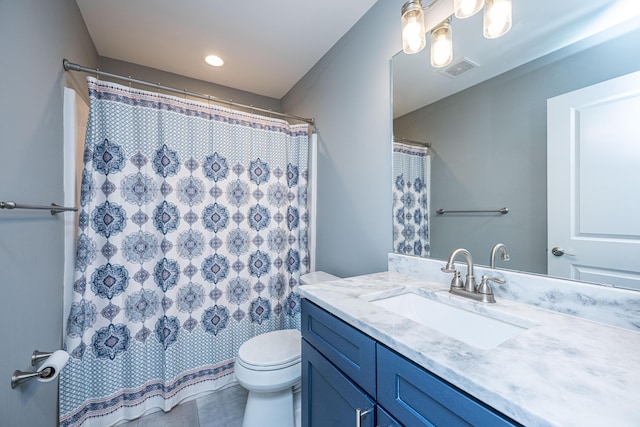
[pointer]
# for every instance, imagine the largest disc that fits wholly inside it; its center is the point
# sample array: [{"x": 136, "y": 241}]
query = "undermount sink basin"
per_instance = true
[{"x": 477, "y": 329}]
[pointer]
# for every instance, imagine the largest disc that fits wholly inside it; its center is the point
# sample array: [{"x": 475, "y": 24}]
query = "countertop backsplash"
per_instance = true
[{"x": 603, "y": 304}]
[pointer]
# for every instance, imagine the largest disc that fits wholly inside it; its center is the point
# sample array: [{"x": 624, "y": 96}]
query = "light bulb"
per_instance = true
[
  {"x": 497, "y": 18},
  {"x": 411, "y": 34},
  {"x": 214, "y": 60},
  {"x": 413, "y": 31},
  {"x": 466, "y": 8},
  {"x": 441, "y": 52},
  {"x": 441, "y": 45}
]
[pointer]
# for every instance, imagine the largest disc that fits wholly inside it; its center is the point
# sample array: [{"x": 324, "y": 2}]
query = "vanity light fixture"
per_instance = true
[
  {"x": 214, "y": 60},
  {"x": 496, "y": 23},
  {"x": 413, "y": 30},
  {"x": 441, "y": 44}
]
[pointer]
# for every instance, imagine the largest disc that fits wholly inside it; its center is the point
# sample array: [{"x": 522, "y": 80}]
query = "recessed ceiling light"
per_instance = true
[{"x": 214, "y": 60}]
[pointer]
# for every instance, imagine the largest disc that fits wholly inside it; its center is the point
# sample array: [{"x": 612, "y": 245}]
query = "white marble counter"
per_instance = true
[
  {"x": 565, "y": 371},
  {"x": 604, "y": 304}
]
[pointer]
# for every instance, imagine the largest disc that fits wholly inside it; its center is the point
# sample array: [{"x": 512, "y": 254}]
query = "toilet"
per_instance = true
[{"x": 269, "y": 367}]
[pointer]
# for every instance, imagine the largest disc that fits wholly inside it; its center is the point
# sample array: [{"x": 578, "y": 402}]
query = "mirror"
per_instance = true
[{"x": 488, "y": 126}]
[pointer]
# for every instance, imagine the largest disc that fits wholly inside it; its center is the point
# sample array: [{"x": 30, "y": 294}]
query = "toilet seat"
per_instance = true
[{"x": 271, "y": 351}]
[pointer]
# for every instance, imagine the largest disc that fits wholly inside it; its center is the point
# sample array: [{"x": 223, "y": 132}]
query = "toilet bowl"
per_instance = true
[{"x": 268, "y": 365}]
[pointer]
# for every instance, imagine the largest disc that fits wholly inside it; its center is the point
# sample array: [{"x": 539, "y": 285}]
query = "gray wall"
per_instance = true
[
  {"x": 348, "y": 92},
  {"x": 181, "y": 82},
  {"x": 35, "y": 35},
  {"x": 489, "y": 151}
]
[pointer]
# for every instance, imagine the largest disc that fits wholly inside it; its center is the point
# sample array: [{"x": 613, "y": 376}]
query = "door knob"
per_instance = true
[{"x": 558, "y": 251}]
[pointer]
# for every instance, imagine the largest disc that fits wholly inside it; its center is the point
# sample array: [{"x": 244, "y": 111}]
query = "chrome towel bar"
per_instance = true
[
  {"x": 55, "y": 209},
  {"x": 502, "y": 211}
]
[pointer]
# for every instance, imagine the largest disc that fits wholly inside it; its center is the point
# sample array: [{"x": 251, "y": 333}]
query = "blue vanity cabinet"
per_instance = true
[
  {"x": 329, "y": 397},
  {"x": 345, "y": 370},
  {"x": 338, "y": 371}
]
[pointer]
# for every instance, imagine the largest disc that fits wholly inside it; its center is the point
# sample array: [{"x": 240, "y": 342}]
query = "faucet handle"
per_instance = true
[
  {"x": 493, "y": 279},
  {"x": 457, "y": 282},
  {"x": 485, "y": 289}
]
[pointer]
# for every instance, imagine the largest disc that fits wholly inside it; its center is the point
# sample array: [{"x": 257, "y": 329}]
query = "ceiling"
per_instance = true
[
  {"x": 267, "y": 46},
  {"x": 539, "y": 27}
]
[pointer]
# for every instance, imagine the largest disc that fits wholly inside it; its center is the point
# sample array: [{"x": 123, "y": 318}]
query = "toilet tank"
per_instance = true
[{"x": 316, "y": 277}]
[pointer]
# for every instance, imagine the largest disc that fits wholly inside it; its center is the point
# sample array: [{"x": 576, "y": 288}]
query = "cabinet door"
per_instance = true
[
  {"x": 329, "y": 398},
  {"x": 416, "y": 397}
]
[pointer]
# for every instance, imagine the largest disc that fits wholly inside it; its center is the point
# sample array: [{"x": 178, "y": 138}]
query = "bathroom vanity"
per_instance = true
[
  {"x": 350, "y": 378},
  {"x": 368, "y": 360}
]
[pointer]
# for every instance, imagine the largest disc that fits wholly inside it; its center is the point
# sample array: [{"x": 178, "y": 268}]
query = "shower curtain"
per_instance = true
[
  {"x": 192, "y": 238},
  {"x": 411, "y": 181}
]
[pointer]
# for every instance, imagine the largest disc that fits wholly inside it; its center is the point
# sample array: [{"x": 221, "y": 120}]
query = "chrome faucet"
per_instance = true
[
  {"x": 470, "y": 289},
  {"x": 504, "y": 255}
]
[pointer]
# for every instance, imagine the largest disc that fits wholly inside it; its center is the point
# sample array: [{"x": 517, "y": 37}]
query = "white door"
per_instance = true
[{"x": 593, "y": 183}]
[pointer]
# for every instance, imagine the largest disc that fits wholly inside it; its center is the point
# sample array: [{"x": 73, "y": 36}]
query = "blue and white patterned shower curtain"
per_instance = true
[
  {"x": 192, "y": 239},
  {"x": 411, "y": 179}
]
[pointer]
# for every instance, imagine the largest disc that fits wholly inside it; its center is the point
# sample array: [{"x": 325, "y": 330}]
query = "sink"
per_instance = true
[{"x": 484, "y": 330}]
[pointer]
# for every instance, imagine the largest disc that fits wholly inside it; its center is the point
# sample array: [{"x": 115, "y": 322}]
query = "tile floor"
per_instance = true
[{"x": 223, "y": 408}]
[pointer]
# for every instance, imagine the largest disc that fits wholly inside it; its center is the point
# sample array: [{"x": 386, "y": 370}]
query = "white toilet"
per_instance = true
[{"x": 268, "y": 365}]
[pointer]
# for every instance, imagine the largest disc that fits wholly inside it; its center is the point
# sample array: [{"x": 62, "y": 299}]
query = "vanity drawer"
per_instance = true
[
  {"x": 416, "y": 397},
  {"x": 353, "y": 352}
]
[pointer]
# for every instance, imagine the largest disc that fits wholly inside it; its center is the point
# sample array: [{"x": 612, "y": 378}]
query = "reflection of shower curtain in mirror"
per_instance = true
[
  {"x": 411, "y": 182},
  {"x": 192, "y": 238}
]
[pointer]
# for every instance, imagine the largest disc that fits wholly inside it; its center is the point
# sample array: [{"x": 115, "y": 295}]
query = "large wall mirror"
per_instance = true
[{"x": 487, "y": 127}]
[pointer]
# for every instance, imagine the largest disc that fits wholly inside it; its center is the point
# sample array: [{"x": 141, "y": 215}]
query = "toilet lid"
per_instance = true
[{"x": 271, "y": 349}]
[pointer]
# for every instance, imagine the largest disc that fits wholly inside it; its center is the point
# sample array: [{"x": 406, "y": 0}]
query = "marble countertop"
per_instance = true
[{"x": 563, "y": 371}]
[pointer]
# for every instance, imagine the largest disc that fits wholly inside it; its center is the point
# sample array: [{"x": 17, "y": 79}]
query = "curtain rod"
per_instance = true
[
  {"x": 411, "y": 141},
  {"x": 69, "y": 66}
]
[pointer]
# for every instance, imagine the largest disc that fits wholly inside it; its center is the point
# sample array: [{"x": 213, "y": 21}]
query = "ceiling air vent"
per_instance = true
[{"x": 460, "y": 67}]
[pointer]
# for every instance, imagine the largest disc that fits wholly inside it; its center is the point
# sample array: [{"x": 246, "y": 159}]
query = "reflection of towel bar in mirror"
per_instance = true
[
  {"x": 502, "y": 211},
  {"x": 55, "y": 209}
]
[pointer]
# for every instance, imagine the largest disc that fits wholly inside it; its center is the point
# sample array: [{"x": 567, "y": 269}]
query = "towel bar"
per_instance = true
[
  {"x": 55, "y": 209},
  {"x": 502, "y": 211}
]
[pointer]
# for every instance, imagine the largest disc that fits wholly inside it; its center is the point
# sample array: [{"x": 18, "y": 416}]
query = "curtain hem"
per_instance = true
[{"x": 130, "y": 404}]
